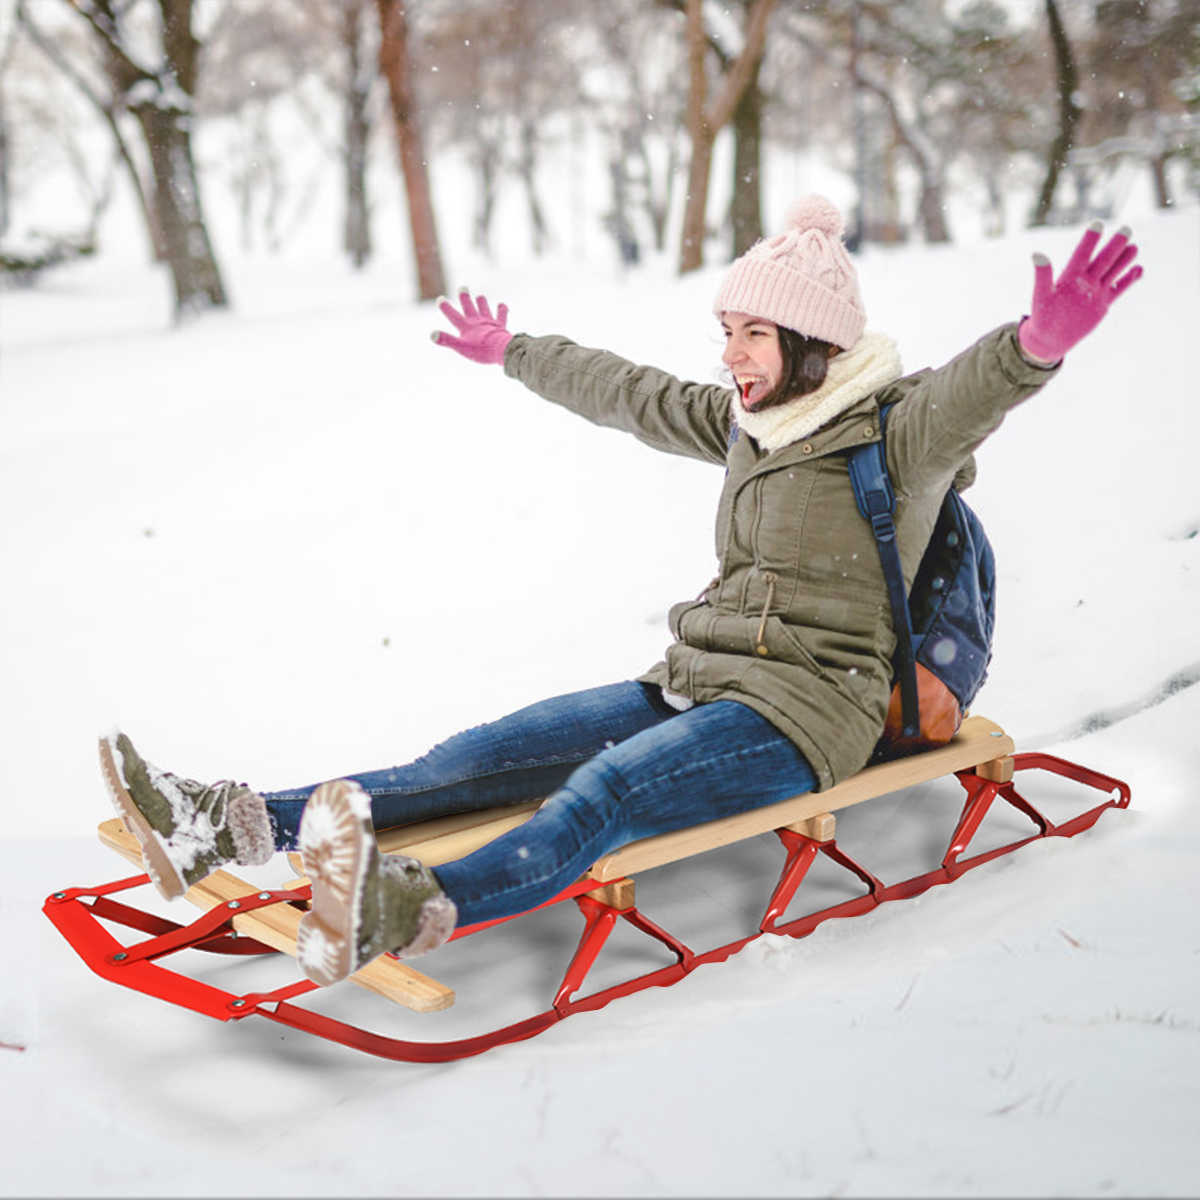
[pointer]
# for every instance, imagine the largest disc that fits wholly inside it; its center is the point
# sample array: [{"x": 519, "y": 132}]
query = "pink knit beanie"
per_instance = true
[{"x": 802, "y": 279}]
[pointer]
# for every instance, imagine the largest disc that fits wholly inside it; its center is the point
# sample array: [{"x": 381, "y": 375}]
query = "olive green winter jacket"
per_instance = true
[{"x": 796, "y": 625}]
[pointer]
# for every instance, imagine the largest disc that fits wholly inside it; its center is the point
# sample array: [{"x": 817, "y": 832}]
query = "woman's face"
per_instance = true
[{"x": 753, "y": 356}]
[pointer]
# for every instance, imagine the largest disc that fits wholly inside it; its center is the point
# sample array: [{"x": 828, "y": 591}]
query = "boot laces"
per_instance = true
[{"x": 211, "y": 799}]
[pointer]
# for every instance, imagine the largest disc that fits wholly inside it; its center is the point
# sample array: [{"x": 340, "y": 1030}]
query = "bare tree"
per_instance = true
[
  {"x": 504, "y": 80},
  {"x": 636, "y": 103},
  {"x": 396, "y": 64},
  {"x": 154, "y": 78},
  {"x": 319, "y": 59},
  {"x": 106, "y": 105},
  {"x": 930, "y": 86},
  {"x": 7, "y": 43},
  {"x": 746, "y": 122},
  {"x": 361, "y": 71},
  {"x": 1143, "y": 89},
  {"x": 745, "y": 206},
  {"x": 1069, "y": 112},
  {"x": 706, "y": 118}
]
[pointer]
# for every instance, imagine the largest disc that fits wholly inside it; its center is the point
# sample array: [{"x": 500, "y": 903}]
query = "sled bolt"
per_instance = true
[
  {"x": 264, "y": 895},
  {"x": 233, "y": 904},
  {"x": 60, "y": 895},
  {"x": 237, "y": 1004},
  {"x": 120, "y": 957}
]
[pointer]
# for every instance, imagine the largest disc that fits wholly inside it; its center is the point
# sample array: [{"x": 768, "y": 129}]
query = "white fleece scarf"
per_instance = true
[{"x": 871, "y": 362}]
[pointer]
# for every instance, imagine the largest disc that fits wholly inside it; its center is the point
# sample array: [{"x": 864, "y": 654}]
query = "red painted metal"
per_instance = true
[
  {"x": 78, "y": 913},
  {"x": 226, "y": 941}
]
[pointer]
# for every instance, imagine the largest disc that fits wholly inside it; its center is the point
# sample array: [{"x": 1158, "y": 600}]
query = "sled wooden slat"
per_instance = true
[
  {"x": 432, "y": 848},
  {"x": 406, "y": 837},
  {"x": 979, "y": 741},
  {"x": 276, "y": 924}
]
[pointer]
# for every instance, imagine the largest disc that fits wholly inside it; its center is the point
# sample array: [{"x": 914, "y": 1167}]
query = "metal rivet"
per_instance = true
[
  {"x": 120, "y": 957},
  {"x": 60, "y": 895},
  {"x": 996, "y": 733},
  {"x": 234, "y": 904},
  {"x": 237, "y": 1004},
  {"x": 264, "y": 895},
  {"x": 807, "y": 448}
]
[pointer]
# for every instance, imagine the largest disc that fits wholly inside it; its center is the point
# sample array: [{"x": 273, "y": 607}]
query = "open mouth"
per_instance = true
[{"x": 754, "y": 389}]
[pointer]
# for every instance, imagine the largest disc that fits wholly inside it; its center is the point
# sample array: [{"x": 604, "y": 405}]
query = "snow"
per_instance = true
[{"x": 297, "y": 539}]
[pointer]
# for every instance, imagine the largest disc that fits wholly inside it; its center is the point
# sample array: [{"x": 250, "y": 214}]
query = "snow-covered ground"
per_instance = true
[{"x": 297, "y": 540}]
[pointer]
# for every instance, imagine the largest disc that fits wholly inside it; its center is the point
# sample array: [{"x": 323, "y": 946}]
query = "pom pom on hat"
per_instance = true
[
  {"x": 802, "y": 279},
  {"x": 815, "y": 212}
]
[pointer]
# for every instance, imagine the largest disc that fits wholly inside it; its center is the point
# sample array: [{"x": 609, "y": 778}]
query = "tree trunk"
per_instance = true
[
  {"x": 163, "y": 106},
  {"x": 396, "y": 66},
  {"x": 745, "y": 211},
  {"x": 166, "y": 124},
  {"x": 933, "y": 212},
  {"x": 1068, "y": 112},
  {"x": 931, "y": 207},
  {"x": 485, "y": 157},
  {"x": 5, "y": 145},
  {"x": 527, "y": 170},
  {"x": 178, "y": 213},
  {"x": 705, "y": 121},
  {"x": 356, "y": 234},
  {"x": 691, "y": 250}
]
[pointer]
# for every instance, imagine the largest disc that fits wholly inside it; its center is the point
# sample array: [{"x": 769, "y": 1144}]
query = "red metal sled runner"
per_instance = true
[{"x": 242, "y": 920}]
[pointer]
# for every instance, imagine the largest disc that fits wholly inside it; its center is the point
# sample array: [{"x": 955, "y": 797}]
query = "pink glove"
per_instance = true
[
  {"x": 1065, "y": 312},
  {"x": 483, "y": 338}
]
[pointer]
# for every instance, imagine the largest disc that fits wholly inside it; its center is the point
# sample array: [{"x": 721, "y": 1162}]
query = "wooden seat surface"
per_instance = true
[{"x": 445, "y": 839}]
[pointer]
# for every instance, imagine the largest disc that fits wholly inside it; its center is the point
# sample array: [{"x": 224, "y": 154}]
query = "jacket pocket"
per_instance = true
[
  {"x": 774, "y": 641},
  {"x": 751, "y": 635}
]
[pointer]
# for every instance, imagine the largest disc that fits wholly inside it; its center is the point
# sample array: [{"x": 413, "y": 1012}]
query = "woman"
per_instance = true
[{"x": 778, "y": 679}]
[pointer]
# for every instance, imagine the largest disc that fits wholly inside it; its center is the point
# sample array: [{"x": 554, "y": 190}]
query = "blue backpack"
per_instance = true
[{"x": 944, "y": 626}]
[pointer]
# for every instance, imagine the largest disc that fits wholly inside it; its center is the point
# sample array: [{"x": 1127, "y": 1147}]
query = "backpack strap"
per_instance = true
[{"x": 876, "y": 500}]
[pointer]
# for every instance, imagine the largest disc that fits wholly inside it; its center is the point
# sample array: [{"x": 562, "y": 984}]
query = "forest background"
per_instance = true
[
  {"x": 263, "y": 539},
  {"x": 932, "y": 119}
]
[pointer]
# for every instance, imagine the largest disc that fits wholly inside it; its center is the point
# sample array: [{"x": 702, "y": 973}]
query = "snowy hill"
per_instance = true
[{"x": 299, "y": 540}]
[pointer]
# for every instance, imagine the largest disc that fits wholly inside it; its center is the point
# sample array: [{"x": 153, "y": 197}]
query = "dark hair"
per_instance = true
[{"x": 805, "y": 364}]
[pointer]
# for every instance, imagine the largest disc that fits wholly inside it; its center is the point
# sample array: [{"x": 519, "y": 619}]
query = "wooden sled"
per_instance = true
[{"x": 240, "y": 918}]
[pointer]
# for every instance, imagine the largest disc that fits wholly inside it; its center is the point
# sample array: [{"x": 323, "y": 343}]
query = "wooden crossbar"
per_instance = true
[
  {"x": 275, "y": 925},
  {"x": 980, "y": 745}
]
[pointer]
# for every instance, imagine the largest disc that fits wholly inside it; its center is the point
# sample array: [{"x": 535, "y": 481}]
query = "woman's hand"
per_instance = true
[
  {"x": 482, "y": 338},
  {"x": 1065, "y": 312}
]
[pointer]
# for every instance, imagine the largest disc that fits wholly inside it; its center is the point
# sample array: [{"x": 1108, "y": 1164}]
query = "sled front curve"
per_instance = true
[{"x": 239, "y": 918}]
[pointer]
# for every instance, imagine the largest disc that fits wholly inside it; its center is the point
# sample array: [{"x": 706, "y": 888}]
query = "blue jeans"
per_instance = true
[{"x": 617, "y": 764}]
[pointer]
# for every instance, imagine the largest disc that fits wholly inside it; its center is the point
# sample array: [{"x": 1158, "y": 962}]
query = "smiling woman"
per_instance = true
[
  {"x": 771, "y": 364},
  {"x": 754, "y": 356},
  {"x": 779, "y": 674}
]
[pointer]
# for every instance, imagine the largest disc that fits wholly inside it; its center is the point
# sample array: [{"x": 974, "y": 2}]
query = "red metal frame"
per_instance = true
[{"x": 77, "y": 913}]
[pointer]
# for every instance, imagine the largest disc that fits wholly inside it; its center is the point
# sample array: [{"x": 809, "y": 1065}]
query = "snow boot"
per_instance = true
[
  {"x": 186, "y": 829},
  {"x": 363, "y": 903}
]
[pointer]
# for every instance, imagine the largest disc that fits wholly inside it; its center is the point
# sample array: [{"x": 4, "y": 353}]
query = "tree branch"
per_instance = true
[
  {"x": 738, "y": 77},
  {"x": 99, "y": 15}
]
